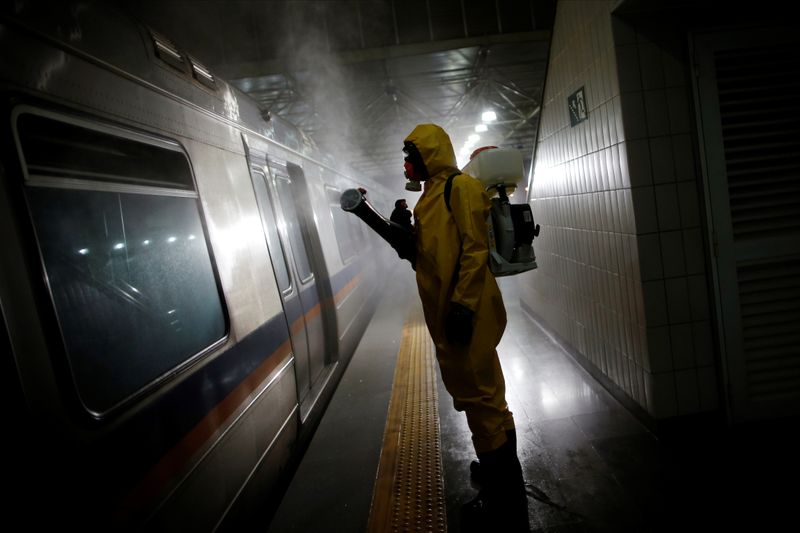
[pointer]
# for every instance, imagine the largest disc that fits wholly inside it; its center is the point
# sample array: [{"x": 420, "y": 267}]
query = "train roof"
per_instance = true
[{"x": 106, "y": 33}]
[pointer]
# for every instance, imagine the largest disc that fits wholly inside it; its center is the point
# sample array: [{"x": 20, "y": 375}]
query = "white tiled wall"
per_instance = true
[{"x": 621, "y": 255}]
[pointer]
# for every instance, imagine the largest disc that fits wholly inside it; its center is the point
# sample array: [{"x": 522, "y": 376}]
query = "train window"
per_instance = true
[
  {"x": 61, "y": 150},
  {"x": 344, "y": 225},
  {"x": 268, "y": 221},
  {"x": 293, "y": 228},
  {"x": 128, "y": 267}
]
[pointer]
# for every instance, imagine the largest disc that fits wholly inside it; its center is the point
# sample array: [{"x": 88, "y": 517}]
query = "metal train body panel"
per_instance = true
[{"x": 198, "y": 443}]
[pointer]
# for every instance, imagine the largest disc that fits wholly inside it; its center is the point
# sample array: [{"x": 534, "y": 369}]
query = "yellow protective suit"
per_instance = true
[{"x": 452, "y": 266}]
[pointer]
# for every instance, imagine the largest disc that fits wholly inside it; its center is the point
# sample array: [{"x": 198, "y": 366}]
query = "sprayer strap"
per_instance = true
[{"x": 448, "y": 187}]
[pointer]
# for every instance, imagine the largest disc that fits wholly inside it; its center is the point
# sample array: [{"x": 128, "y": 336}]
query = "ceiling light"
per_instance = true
[
  {"x": 473, "y": 138},
  {"x": 488, "y": 116},
  {"x": 481, "y": 128}
]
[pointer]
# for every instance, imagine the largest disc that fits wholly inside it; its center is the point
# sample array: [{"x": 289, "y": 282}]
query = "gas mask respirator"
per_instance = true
[{"x": 414, "y": 166}]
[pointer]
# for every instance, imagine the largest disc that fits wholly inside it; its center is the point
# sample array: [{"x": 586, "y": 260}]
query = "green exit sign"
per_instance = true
[{"x": 576, "y": 102}]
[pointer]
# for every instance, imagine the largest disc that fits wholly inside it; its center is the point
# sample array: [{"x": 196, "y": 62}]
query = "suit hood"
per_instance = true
[{"x": 435, "y": 148}]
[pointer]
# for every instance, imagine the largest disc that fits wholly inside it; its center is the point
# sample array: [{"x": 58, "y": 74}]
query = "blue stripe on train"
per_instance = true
[{"x": 161, "y": 425}]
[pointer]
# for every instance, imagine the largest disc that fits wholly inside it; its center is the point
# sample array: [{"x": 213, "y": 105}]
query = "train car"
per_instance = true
[{"x": 180, "y": 289}]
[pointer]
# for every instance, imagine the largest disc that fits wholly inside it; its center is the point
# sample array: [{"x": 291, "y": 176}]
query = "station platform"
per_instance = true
[{"x": 392, "y": 454}]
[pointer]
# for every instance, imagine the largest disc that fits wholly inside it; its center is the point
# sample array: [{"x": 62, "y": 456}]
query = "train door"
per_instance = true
[
  {"x": 746, "y": 90},
  {"x": 280, "y": 257},
  {"x": 297, "y": 261},
  {"x": 313, "y": 281}
]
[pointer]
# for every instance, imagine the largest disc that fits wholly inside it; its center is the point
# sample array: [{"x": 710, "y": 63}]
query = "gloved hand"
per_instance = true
[{"x": 458, "y": 324}]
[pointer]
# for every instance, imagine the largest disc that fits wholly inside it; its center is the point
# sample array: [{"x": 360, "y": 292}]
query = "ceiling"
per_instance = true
[{"x": 357, "y": 76}]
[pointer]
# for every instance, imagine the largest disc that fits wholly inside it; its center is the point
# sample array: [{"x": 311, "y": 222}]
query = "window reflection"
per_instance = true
[
  {"x": 346, "y": 227},
  {"x": 293, "y": 228},
  {"x": 117, "y": 222},
  {"x": 138, "y": 298},
  {"x": 270, "y": 229}
]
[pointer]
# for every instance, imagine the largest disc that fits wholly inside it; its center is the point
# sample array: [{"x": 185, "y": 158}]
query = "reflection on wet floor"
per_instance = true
[
  {"x": 602, "y": 470},
  {"x": 594, "y": 467}
]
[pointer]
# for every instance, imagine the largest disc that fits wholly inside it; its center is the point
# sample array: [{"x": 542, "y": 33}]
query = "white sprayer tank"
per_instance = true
[{"x": 496, "y": 166}]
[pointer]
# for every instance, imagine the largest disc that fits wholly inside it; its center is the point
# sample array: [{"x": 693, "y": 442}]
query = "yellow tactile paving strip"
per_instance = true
[{"x": 409, "y": 489}]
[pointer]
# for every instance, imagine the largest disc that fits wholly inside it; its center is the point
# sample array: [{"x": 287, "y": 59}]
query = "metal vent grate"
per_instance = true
[
  {"x": 166, "y": 51},
  {"x": 770, "y": 304},
  {"x": 202, "y": 74},
  {"x": 759, "y": 97}
]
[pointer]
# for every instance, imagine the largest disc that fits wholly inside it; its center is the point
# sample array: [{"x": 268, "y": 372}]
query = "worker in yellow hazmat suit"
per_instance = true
[{"x": 466, "y": 318}]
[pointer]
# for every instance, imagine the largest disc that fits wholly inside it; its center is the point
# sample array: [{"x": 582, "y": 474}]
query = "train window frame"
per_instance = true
[
  {"x": 265, "y": 175},
  {"x": 33, "y": 181},
  {"x": 276, "y": 176},
  {"x": 351, "y": 228},
  {"x": 103, "y": 128}
]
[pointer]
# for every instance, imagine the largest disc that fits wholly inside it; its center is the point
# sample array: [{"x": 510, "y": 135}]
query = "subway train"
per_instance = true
[{"x": 180, "y": 288}]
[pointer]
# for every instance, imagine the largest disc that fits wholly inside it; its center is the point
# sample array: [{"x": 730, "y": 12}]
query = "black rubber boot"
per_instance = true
[
  {"x": 475, "y": 472},
  {"x": 501, "y": 504}
]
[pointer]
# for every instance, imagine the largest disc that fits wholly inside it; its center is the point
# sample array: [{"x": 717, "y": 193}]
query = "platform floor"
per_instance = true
[{"x": 591, "y": 464}]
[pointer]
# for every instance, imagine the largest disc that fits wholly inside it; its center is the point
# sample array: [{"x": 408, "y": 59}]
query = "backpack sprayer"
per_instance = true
[{"x": 511, "y": 226}]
